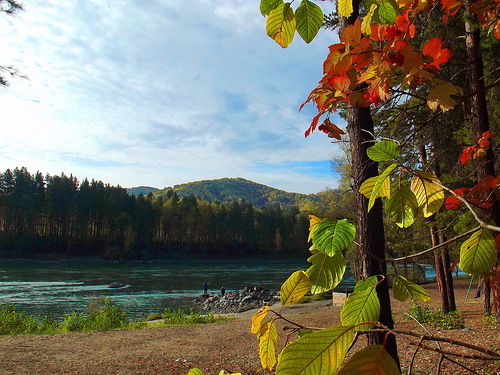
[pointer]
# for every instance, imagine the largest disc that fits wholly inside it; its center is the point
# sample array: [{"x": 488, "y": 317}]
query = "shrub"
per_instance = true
[
  {"x": 105, "y": 315},
  {"x": 75, "y": 322},
  {"x": 451, "y": 320},
  {"x": 13, "y": 322}
]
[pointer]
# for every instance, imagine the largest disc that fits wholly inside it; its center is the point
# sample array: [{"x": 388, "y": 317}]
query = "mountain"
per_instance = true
[
  {"x": 233, "y": 189},
  {"x": 142, "y": 190}
]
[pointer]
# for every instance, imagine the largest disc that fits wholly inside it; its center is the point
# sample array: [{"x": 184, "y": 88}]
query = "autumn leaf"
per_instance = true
[
  {"x": 331, "y": 129},
  {"x": 351, "y": 36},
  {"x": 440, "y": 96},
  {"x": 281, "y": 24},
  {"x": 452, "y": 202},
  {"x": 438, "y": 55},
  {"x": 345, "y": 7}
]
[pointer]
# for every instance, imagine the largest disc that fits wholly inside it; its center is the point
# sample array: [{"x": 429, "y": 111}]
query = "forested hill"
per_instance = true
[
  {"x": 142, "y": 190},
  {"x": 226, "y": 190}
]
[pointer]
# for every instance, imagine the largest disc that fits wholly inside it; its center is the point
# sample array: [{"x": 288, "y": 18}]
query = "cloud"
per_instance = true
[{"x": 160, "y": 93}]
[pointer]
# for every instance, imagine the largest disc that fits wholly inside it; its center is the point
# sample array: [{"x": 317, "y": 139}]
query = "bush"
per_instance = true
[
  {"x": 105, "y": 315},
  {"x": 75, "y": 322},
  {"x": 13, "y": 322},
  {"x": 451, "y": 320}
]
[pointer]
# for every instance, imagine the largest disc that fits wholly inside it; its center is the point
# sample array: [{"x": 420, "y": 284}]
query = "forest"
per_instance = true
[{"x": 60, "y": 216}]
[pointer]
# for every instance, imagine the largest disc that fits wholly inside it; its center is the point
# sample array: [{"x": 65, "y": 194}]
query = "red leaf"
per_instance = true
[
  {"x": 497, "y": 241},
  {"x": 487, "y": 135},
  {"x": 452, "y": 203},
  {"x": 466, "y": 155},
  {"x": 313, "y": 125},
  {"x": 438, "y": 55}
]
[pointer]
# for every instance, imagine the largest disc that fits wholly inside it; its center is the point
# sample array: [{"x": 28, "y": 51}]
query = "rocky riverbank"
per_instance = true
[{"x": 239, "y": 300}]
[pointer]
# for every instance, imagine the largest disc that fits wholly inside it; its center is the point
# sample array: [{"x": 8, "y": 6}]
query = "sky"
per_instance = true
[{"x": 161, "y": 92}]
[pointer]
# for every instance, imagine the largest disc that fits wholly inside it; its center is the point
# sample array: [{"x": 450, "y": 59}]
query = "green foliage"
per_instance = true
[
  {"x": 227, "y": 190},
  {"x": 181, "y": 317},
  {"x": 478, "y": 254},
  {"x": 319, "y": 352},
  {"x": 333, "y": 236},
  {"x": 105, "y": 315},
  {"x": 326, "y": 272},
  {"x": 282, "y": 22},
  {"x": 404, "y": 289},
  {"x": 362, "y": 306},
  {"x": 423, "y": 314},
  {"x": 76, "y": 321},
  {"x": 383, "y": 151},
  {"x": 13, "y": 322}
]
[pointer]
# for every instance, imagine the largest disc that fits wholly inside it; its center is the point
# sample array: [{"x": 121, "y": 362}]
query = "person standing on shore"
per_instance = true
[
  {"x": 205, "y": 288},
  {"x": 222, "y": 291}
]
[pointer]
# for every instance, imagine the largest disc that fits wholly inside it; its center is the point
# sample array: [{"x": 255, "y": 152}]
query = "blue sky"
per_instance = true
[{"x": 160, "y": 93}]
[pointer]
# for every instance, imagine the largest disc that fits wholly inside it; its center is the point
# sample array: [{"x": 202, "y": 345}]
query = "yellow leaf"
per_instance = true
[
  {"x": 366, "y": 28},
  {"x": 345, "y": 7},
  {"x": 258, "y": 317},
  {"x": 281, "y": 24},
  {"x": 366, "y": 187},
  {"x": 313, "y": 224},
  {"x": 440, "y": 96},
  {"x": 430, "y": 196},
  {"x": 268, "y": 340},
  {"x": 294, "y": 288}
]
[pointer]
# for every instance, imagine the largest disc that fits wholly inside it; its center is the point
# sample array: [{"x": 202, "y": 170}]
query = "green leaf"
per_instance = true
[
  {"x": 332, "y": 236},
  {"x": 402, "y": 207},
  {"x": 326, "y": 272},
  {"x": 309, "y": 20},
  {"x": 478, "y": 254},
  {"x": 386, "y": 13},
  {"x": 281, "y": 24},
  {"x": 365, "y": 284},
  {"x": 321, "y": 352},
  {"x": 362, "y": 306},
  {"x": 372, "y": 360},
  {"x": 266, "y": 6},
  {"x": 430, "y": 196},
  {"x": 294, "y": 288},
  {"x": 345, "y": 7},
  {"x": 379, "y": 184},
  {"x": 195, "y": 371},
  {"x": 383, "y": 151},
  {"x": 404, "y": 289},
  {"x": 304, "y": 331},
  {"x": 268, "y": 340}
]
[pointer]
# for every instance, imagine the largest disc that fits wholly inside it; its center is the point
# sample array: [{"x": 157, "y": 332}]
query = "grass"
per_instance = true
[
  {"x": 451, "y": 320},
  {"x": 103, "y": 315}
]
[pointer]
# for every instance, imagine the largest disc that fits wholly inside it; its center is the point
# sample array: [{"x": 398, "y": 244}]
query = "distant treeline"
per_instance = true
[{"x": 58, "y": 215}]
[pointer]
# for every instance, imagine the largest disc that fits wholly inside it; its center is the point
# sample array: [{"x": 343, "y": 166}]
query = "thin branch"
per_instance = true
[
  {"x": 481, "y": 223},
  {"x": 436, "y": 247}
]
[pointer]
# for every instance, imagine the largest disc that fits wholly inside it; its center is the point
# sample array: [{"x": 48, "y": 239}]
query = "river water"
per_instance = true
[{"x": 56, "y": 288}]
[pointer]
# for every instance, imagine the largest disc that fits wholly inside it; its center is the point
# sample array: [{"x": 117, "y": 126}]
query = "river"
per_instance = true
[{"x": 55, "y": 288}]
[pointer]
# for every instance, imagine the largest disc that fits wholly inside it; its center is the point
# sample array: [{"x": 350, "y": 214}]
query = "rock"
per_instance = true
[
  {"x": 240, "y": 300},
  {"x": 117, "y": 284}
]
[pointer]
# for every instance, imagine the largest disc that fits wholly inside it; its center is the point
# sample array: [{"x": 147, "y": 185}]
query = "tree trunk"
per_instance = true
[
  {"x": 370, "y": 226},
  {"x": 440, "y": 276},
  {"x": 479, "y": 114}
]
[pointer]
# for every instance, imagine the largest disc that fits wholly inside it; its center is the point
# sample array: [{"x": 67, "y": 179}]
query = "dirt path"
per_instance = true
[{"x": 211, "y": 347}]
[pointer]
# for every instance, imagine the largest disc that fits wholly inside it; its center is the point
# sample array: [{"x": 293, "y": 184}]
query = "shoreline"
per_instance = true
[{"x": 226, "y": 345}]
